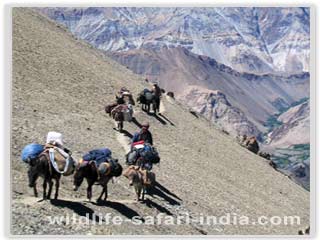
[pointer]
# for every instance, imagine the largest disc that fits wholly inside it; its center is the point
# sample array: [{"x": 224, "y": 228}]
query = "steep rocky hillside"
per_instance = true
[
  {"x": 203, "y": 50},
  {"x": 215, "y": 107},
  {"x": 257, "y": 39},
  {"x": 294, "y": 128},
  {"x": 60, "y": 83},
  {"x": 256, "y": 96},
  {"x": 290, "y": 143}
]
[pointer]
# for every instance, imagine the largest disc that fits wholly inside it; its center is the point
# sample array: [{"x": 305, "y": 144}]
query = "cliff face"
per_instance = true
[{"x": 62, "y": 84}]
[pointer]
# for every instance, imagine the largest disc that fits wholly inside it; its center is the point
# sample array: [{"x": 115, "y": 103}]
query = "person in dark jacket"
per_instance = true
[
  {"x": 144, "y": 135},
  {"x": 157, "y": 93},
  {"x": 120, "y": 97}
]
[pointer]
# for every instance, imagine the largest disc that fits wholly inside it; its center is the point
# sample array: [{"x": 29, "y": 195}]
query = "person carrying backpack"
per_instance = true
[{"x": 144, "y": 135}]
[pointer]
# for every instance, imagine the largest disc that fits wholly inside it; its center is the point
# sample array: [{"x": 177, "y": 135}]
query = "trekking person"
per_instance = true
[
  {"x": 157, "y": 93},
  {"x": 144, "y": 135},
  {"x": 124, "y": 96},
  {"x": 120, "y": 97}
]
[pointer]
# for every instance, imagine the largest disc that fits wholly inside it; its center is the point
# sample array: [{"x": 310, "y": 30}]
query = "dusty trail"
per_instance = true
[
  {"x": 124, "y": 141},
  {"x": 162, "y": 107}
]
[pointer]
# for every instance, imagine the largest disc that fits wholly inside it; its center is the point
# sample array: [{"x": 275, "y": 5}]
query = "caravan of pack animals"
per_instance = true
[{"x": 53, "y": 160}]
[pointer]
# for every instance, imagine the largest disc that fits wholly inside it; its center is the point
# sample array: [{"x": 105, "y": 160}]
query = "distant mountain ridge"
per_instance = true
[{"x": 256, "y": 39}]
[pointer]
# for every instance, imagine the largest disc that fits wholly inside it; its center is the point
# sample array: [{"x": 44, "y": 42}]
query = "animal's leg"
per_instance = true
[
  {"x": 44, "y": 185},
  {"x": 143, "y": 192},
  {"x": 89, "y": 192},
  {"x": 139, "y": 193},
  {"x": 120, "y": 125},
  {"x": 99, "y": 198},
  {"x": 105, "y": 193},
  {"x": 50, "y": 188},
  {"x": 57, "y": 188},
  {"x": 136, "y": 189},
  {"x": 154, "y": 107},
  {"x": 35, "y": 190}
]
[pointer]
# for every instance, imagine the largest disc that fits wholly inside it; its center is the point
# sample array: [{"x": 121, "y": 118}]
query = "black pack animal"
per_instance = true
[
  {"x": 92, "y": 174},
  {"x": 146, "y": 103},
  {"x": 42, "y": 167}
]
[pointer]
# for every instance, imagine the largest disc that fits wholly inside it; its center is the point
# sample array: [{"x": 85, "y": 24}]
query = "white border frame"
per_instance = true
[{"x": 6, "y": 104}]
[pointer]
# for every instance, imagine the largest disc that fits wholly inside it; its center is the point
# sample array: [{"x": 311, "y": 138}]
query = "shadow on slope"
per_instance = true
[
  {"x": 77, "y": 207},
  {"x": 121, "y": 208}
]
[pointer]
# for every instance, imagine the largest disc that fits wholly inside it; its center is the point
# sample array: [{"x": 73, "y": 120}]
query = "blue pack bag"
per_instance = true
[
  {"x": 150, "y": 154},
  {"x": 98, "y": 155},
  {"x": 31, "y": 151}
]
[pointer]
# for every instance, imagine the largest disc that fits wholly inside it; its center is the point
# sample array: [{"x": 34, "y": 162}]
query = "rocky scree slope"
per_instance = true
[{"x": 62, "y": 84}]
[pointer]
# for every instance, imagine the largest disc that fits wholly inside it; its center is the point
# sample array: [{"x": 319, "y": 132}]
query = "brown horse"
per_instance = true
[
  {"x": 126, "y": 99},
  {"x": 42, "y": 167},
  {"x": 92, "y": 174},
  {"x": 122, "y": 113},
  {"x": 110, "y": 107},
  {"x": 140, "y": 179}
]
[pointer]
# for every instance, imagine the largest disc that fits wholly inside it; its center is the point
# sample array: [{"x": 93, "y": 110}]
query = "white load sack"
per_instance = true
[
  {"x": 127, "y": 114},
  {"x": 139, "y": 146},
  {"x": 55, "y": 137}
]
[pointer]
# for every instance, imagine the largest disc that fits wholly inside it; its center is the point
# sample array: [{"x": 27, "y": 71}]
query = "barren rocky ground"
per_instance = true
[{"x": 62, "y": 84}]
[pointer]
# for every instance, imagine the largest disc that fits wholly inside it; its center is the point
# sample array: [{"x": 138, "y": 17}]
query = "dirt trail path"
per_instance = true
[
  {"x": 124, "y": 141},
  {"x": 162, "y": 107}
]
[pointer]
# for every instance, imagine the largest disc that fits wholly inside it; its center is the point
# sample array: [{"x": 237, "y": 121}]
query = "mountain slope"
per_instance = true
[
  {"x": 257, "y": 40},
  {"x": 215, "y": 107},
  {"x": 211, "y": 48},
  {"x": 295, "y": 127},
  {"x": 62, "y": 84},
  {"x": 257, "y": 96}
]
